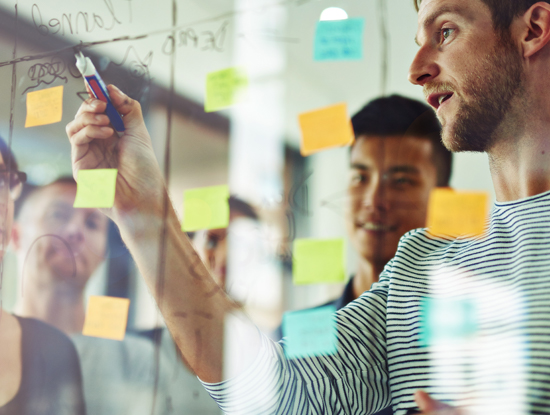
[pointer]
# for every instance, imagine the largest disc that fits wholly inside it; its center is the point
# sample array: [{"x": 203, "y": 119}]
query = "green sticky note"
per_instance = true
[
  {"x": 95, "y": 188},
  {"x": 318, "y": 261},
  {"x": 205, "y": 208},
  {"x": 310, "y": 332},
  {"x": 339, "y": 40},
  {"x": 224, "y": 88},
  {"x": 447, "y": 320}
]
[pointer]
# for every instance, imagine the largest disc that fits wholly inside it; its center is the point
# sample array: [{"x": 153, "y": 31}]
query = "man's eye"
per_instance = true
[
  {"x": 445, "y": 33},
  {"x": 402, "y": 181},
  {"x": 358, "y": 178},
  {"x": 91, "y": 224}
]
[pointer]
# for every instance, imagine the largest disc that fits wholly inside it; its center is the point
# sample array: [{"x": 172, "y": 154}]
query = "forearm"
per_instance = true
[{"x": 194, "y": 307}]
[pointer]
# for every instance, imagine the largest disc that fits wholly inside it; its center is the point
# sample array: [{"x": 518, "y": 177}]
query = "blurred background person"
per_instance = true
[
  {"x": 40, "y": 371},
  {"x": 58, "y": 248},
  {"x": 396, "y": 161},
  {"x": 213, "y": 245}
]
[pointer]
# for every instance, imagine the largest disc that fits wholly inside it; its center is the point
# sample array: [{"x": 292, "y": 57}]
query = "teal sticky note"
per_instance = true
[
  {"x": 447, "y": 320},
  {"x": 95, "y": 188},
  {"x": 339, "y": 40},
  {"x": 318, "y": 261},
  {"x": 310, "y": 332},
  {"x": 205, "y": 208}
]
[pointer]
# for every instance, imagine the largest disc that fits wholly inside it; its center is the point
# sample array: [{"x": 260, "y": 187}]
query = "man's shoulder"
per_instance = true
[{"x": 421, "y": 238}]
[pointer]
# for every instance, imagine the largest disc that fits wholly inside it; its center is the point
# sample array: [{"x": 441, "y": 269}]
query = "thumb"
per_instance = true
[
  {"x": 426, "y": 403},
  {"x": 129, "y": 108}
]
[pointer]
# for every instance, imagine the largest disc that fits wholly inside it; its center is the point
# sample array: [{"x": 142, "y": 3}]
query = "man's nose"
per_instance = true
[
  {"x": 73, "y": 232},
  {"x": 376, "y": 197},
  {"x": 423, "y": 68}
]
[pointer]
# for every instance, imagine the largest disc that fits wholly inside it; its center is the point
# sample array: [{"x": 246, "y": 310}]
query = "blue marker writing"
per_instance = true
[{"x": 96, "y": 84}]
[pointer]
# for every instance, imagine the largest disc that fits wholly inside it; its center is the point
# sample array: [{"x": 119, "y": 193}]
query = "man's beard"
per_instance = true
[{"x": 491, "y": 88}]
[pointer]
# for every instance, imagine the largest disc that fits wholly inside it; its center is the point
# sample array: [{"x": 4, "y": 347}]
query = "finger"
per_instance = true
[
  {"x": 85, "y": 119},
  {"x": 91, "y": 105},
  {"x": 91, "y": 133},
  {"x": 126, "y": 106},
  {"x": 426, "y": 403}
]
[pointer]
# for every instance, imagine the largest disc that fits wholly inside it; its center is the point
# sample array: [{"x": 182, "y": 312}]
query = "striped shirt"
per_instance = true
[{"x": 501, "y": 367}]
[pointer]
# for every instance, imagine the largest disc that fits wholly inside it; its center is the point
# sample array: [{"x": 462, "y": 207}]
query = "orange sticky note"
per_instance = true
[
  {"x": 457, "y": 213},
  {"x": 44, "y": 106},
  {"x": 106, "y": 317},
  {"x": 325, "y": 128}
]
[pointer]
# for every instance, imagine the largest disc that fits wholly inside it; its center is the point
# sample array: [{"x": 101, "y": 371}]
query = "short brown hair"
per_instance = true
[{"x": 503, "y": 11}]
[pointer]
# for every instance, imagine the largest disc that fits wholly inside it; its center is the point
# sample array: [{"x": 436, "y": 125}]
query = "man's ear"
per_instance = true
[{"x": 537, "y": 20}]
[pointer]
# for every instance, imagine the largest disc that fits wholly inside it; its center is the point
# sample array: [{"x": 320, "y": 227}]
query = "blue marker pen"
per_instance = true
[{"x": 96, "y": 84}]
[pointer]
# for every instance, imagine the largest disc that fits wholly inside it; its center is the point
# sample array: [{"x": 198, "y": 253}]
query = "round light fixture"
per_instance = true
[{"x": 333, "y": 13}]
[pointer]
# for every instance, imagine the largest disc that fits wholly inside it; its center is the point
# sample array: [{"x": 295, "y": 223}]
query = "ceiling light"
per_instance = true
[{"x": 333, "y": 13}]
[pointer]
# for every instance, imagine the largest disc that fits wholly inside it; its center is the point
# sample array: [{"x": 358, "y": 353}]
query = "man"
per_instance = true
[
  {"x": 485, "y": 67},
  {"x": 396, "y": 161},
  {"x": 58, "y": 249}
]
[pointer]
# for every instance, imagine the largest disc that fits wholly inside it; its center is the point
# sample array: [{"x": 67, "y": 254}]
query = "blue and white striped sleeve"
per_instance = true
[{"x": 354, "y": 380}]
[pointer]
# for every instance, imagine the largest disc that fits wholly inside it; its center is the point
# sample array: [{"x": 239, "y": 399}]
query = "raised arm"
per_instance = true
[
  {"x": 193, "y": 306},
  {"x": 198, "y": 313}
]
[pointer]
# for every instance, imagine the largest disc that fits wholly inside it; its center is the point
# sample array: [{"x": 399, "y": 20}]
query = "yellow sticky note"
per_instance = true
[
  {"x": 44, "y": 106},
  {"x": 205, "y": 208},
  {"x": 106, "y": 317},
  {"x": 224, "y": 88},
  {"x": 318, "y": 261},
  {"x": 325, "y": 128},
  {"x": 455, "y": 213},
  {"x": 95, "y": 188}
]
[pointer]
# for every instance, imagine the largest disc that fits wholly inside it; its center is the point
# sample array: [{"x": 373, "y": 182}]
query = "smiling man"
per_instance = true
[
  {"x": 396, "y": 161},
  {"x": 489, "y": 60}
]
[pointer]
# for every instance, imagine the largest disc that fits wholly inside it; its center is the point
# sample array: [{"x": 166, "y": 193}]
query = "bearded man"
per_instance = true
[{"x": 485, "y": 67}]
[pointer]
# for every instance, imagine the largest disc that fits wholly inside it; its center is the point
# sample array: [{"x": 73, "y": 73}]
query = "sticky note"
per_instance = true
[
  {"x": 224, "y": 88},
  {"x": 457, "y": 213},
  {"x": 447, "y": 320},
  {"x": 310, "y": 332},
  {"x": 106, "y": 317},
  {"x": 339, "y": 40},
  {"x": 318, "y": 261},
  {"x": 205, "y": 208},
  {"x": 325, "y": 128},
  {"x": 95, "y": 188},
  {"x": 44, "y": 106}
]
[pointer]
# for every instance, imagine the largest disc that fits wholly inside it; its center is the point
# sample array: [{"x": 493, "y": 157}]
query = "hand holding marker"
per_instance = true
[{"x": 98, "y": 88}]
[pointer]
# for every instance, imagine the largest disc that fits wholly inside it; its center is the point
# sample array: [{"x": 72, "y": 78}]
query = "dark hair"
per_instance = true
[
  {"x": 242, "y": 207},
  {"x": 7, "y": 155},
  {"x": 400, "y": 116},
  {"x": 502, "y": 11}
]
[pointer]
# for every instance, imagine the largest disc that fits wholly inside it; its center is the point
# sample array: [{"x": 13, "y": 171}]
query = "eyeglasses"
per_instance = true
[{"x": 13, "y": 179}]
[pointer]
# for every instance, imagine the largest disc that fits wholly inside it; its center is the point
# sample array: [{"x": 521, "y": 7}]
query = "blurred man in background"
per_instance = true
[
  {"x": 396, "y": 161},
  {"x": 58, "y": 249},
  {"x": 214, "y": 249}
]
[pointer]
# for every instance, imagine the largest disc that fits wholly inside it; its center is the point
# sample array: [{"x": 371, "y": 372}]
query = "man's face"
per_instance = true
[
  {"x": 55, "y": 237},
  {"x": 389, "y": 186},
  {"x": 471, "y": 74}
]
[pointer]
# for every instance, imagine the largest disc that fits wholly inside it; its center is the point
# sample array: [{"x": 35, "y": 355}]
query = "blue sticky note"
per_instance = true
[
  {"x": 447, "y": 320},
  {"x": 310, "y": 332},
  {"x": 339, "y": 40}
]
